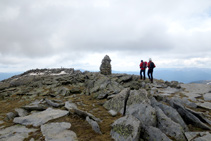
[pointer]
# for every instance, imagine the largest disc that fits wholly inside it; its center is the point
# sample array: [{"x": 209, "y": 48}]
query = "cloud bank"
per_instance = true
[{"x": 79, "y": 33}]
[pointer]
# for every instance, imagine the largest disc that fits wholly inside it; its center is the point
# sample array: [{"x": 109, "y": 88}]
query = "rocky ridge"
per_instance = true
[{"x": 67, "y": 104}]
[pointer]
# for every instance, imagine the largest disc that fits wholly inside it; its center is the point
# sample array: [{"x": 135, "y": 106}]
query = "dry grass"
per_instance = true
[{"x": 80, "y": 126}]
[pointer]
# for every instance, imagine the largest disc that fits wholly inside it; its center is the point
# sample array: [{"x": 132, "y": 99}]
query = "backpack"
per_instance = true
[
  {"x": 144, "y": 65},
  {"x": 151, "y": 66}
]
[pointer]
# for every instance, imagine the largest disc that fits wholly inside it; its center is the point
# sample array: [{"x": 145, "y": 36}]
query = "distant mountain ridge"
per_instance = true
[{"x": 184, "y": 75}]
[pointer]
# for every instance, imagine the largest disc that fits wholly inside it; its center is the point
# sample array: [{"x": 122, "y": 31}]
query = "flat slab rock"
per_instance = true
[
  {"x": 15, "y": 133},
  {"x": 198, "y": 136},
  {"x": 206, "y": 105},
  {"x": 40, "y": 118},
  {"x": 58, "y": 131}
]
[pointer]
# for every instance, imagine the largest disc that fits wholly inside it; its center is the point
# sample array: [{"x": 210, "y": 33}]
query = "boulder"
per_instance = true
[
  {"x": 58, "y": 131},
  {"x": 170, "y": 112},
  {"x": 105, "y": 67},
  {"x": 188, "y": 117},
  {"x": 143, "y": 112},
  {"x": 40, "y": 118},
  {"x": 117, "y": 102},
  {"x": 150, "y": 133},
  {"x": 168, "y": 126},
  {"x": 198, "y": 136},
  {"x": 126, "y": 128}
]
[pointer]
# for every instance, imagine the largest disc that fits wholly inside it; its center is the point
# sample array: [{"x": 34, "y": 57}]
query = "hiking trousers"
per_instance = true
[
  {"x": 150, "y": 75},
  {"x": 142, "y": 71}
]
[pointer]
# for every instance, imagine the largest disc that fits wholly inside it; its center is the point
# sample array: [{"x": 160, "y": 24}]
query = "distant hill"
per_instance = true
[
  {"x": 8, "y": 75},
  {"x": 208, "y": 82},
  {"x": 185, "y": 75}
]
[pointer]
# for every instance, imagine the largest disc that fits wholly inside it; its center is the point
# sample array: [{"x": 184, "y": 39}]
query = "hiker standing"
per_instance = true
[
  {"x": 150, "y": 66},
  {"x": 143, "y": 66}
]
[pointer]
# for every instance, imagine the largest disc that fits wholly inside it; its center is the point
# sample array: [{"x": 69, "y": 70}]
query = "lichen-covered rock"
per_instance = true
[
  {"x": 126, "y": 128},
  {"x": 105, "y": 67},
  {"x": 118, "y": 101}
]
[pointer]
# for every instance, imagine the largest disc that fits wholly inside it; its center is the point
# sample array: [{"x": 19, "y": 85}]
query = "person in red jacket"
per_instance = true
[
  {"x": 150, "y": 66},
  {"x": 143, "y": 66}
]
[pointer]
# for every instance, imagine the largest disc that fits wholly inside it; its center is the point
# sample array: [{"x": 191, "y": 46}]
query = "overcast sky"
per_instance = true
[{"x": 79, "y": 33}]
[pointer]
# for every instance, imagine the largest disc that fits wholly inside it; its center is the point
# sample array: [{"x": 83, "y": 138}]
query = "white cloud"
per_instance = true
[{"x": 79, "y": 33}]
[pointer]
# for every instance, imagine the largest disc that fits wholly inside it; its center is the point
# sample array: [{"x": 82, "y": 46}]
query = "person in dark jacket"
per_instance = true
[
  {"x": 143, "y": 66},
  {"x": 150, "y": 66}
]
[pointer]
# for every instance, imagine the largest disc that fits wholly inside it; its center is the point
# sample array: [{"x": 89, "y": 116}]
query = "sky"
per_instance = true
[{"x": 79, "y": 33}]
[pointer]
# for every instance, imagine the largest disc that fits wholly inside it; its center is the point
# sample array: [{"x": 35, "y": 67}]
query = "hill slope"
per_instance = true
[{"x": 49, "y": 100}]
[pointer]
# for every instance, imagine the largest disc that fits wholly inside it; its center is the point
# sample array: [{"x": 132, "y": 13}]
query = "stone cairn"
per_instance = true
[{"x": 105, "y": 67}]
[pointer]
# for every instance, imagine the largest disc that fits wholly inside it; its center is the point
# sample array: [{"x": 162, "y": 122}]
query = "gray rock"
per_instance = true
[
  {"x": 126, "y": 128},
  {"x": 53, "y": 103},
  {"x": 40, "y": 118},
  {"x": 151, "y": 133},
  {"x": 207, "y": 97},
  {"x": 58, "y": 132},
  {"x": 138, "y": 96},
  {"x": 21, "y": 112},
  {"x": 113, "y": 113},
  {"x": 84, "y": 114},
  {"x": 11, "y": 115},
  {"x": 94, "y": 125},
  {"x": 198, "y": 136},
  {"x": 70, "y": 106},
  {"x": 117, "y": 102},
  {"x": 189, "y": 118},
  {"x": 15, "y": 133},
  {"x": 169, "y": 127},
  {"x": 200, "y": 115},
  {"x": 206, "y": 105},
  {"x": 144, "y": 112},
  {"x": 36, "y": 105},
  {"x": 170, "y": 112},
  {"x": 105, "y": 67}
]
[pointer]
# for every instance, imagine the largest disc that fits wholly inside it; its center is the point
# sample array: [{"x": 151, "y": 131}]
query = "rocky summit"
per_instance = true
[{"x": 70, "y": 105}]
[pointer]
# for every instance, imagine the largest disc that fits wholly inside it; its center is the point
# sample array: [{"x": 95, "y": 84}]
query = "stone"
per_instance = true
[
  {"x": 38, "y": 105},
  {"x": 144, "y": 112},
  {"x": 189, "y": 118},
  {"x": 126, "y": 128},
  {"x": 105, "y": 67},
  {"x": 53, "y": 103},
  {"x": 170, "y": 112},
  {"x": 151, "y": 133},
  {"x": 40, "y": 118},
  {"x": 94, "y": 125},
  {"x": 21, "y": 112},
  {"x": 117, "y": 102},
  {"x": 11, "y": 115},
  {"x": 15, "y": 133},
  {"x": 58, "y": 131},
  {"x": 70, "y": 106},
  {"x": 207, "y": 97},
  {"x": 198, "y": 136},
  {"x": 206, "y": 105},
  {"x": 112, "y": 112},
  {"x": 169, "y": 127}
]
